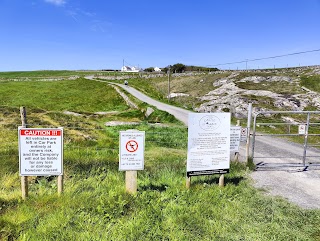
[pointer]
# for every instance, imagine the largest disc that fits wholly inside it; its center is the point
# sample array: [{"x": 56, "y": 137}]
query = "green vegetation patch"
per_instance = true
[
  {"x": 259, "y": 101},
  {"x": 280, "y": 87},
  {"x": 311, "y": 82},
  {"x": 96, "y": 207},
  {"x": 55, "y": 74},
  {"x": 78, "y": 95}
]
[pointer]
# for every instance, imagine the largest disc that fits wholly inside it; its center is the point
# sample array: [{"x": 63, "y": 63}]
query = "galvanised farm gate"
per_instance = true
[{"x": 300, "y": 128}]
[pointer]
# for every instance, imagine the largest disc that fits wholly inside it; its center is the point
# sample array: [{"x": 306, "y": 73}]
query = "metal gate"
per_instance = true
[{"x": 299, "y": 129}]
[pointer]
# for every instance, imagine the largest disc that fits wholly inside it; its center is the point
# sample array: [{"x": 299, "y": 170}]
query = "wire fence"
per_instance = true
[{"x": 91, "y": 139}]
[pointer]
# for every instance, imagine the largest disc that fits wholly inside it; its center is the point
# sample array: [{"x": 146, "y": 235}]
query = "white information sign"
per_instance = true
[
  {"x": 244, "y": 134},
  {"x": 131, "y": 155},
  {"x": 40, "y": 151},
  {"x": 235, "y": 134},
  {"x": 208, "y": 142},
  {"x": 302, "y": 129}
]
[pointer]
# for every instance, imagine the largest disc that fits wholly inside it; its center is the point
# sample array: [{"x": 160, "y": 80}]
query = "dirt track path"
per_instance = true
[
  {"x": 294, "y": 184},
  {"x": 179, "y": 113}
]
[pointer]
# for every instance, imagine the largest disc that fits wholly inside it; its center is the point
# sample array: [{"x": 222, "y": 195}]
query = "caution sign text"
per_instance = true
[{"x": 40, "y": 151}]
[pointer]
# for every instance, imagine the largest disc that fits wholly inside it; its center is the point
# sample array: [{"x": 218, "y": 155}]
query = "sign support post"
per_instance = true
[
  {"x": 221, "y": 180},
  {"x": 236, "y": 155},
  {"x": 60, "y": 185},
  {"x": 188, "y": 182},
  {"x": 132, "y": 182},
  {"x": 24, "y": 179}
]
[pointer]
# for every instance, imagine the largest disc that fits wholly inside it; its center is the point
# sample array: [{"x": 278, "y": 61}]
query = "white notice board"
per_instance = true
[
  {"x": 235, "y": 134},
  {"x": 131, "y": 155},
  {"x": 208, "y": 143},
  {"x": 40, "y": 151}
]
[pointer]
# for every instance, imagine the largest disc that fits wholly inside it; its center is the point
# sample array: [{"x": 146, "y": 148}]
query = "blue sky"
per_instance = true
[{"x": 83, "y": 34}]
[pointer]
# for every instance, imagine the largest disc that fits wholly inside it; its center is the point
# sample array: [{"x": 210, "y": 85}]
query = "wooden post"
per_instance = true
[
  {"x": 221, "y": 181},
  {"x": 60, "y": 177},
  {"x": 131, "y": 181},
  {"x": 60, "y": 185},
  {"x": 236, "y": 157},
  {"x": 188, "y": 182},
  {"x": 24, "y": 187},
  {"x": 24, "y": 179}
]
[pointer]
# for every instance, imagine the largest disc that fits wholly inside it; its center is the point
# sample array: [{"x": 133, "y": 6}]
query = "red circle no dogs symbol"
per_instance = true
[{"x": 132, "y": 146}]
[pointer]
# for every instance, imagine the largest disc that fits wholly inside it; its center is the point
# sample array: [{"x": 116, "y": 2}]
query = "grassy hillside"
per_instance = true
[
  {"x": 196, "y": 86},
  {"x": 311, "y": 82},
  {"x": 78, "y": 95},
  {"x": 95, "y": 206}
]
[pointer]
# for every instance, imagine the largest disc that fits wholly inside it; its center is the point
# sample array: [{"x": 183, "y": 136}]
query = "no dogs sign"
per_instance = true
[{"x": 131, "y": 155}]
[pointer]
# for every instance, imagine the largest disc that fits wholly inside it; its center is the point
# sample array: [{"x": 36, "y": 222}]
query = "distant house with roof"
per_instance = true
[
  {"x": 130, "y": 69},
  {"x": 157, "y": 69}
]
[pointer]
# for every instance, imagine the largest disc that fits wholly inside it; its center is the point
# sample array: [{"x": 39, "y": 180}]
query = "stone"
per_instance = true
[{"x": 149, "y": 112}]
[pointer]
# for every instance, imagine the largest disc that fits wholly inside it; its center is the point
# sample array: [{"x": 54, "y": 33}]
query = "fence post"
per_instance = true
[
  {"x": 248, "y": 132},
  {"x": 24, "y": 179}
]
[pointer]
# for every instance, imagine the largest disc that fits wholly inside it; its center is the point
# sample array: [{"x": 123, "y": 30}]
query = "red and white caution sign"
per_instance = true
[
  {"x": 40, "y": 151},
  {"x": 131, "y": 154}
]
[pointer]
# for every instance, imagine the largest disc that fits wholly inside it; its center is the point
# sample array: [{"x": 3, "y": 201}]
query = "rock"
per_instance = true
[
  {"x": 71, "y": 113},
  {"x": 106, "y": 113},
  {"x": 149, "y": 112},
  {"x": 173, "y": 95},
  {"x": 120, "y": 123},
  {"x": 259, "y": 79}
]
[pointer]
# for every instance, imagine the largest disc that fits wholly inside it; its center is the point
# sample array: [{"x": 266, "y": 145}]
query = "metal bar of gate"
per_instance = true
[
  {"x": 306, "y": 140},
  {"x": 285, "y": 112},
  {"x": 254, "y": 134}
]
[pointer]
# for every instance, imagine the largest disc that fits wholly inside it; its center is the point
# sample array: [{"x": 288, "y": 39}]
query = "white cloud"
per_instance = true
[{"x": 56, "y": 2}]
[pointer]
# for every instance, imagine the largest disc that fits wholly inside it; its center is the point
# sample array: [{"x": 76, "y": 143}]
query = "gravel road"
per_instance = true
[
  {"x": 179, "y": 113},
  {"x": 298, "y": 186}
]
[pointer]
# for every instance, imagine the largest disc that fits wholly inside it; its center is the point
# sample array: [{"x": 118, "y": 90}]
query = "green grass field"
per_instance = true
[
  {"x": 95, "y": 206},
  {"x": 55, "y": 74}
]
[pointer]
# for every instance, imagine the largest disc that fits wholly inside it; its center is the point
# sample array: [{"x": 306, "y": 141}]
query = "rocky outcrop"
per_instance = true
[
  {"x": 229, "y": 97},
  {"x": 259, "y": 79}
]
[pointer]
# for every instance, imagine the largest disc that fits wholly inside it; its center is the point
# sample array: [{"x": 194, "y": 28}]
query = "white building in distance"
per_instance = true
[
  {"x": 157, "y": 69},
  {"x": 130, "y": 69}
]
